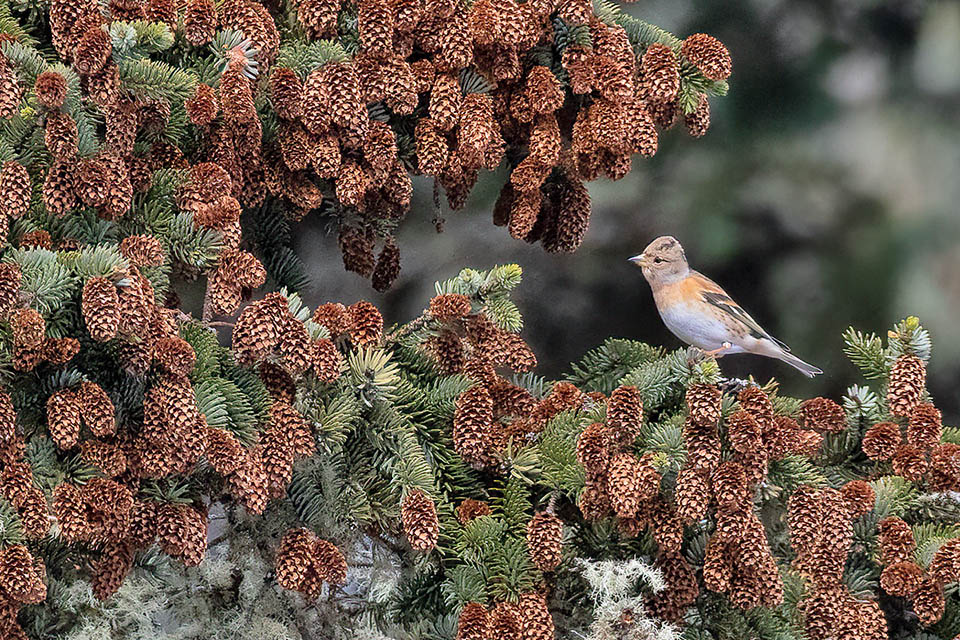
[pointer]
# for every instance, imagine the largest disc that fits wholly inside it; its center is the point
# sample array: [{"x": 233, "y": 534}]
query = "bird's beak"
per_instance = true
[{"x": 640, "y": 260}]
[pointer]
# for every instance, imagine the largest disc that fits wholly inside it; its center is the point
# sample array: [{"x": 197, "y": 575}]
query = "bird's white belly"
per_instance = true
[{"x": 703, "y": 330}]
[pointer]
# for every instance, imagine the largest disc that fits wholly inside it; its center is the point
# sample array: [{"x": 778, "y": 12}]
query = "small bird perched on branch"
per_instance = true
[{"x": 699, "y": 312}]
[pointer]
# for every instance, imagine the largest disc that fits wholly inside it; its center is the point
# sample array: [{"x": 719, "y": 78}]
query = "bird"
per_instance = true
[{"x": 698, "y": 311}]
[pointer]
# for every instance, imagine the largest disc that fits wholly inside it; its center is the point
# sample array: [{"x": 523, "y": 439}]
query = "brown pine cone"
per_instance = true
[
  {"x": 880, "y": 442},
  {"x": 666, "y": 527},
  {"x": 61, "y": 135},
  {"x": 295, "y": 555},
  {"x": 624, "y": 416},
  {"x": 473, "y": 623},
  {"x": 255, "y": 332},
  {"x": 709, "y": 56},
  {"x": 93, "y": 50},
  {"x": 387, "y": 268},
  {"x": 182, "y": 533},
  {"x": 445, "y": 101},
  {"x": 50, "y": 89},
  {"x": 329, "y": 563},
  {"x": 63, "y": 418},
  {"x": 535, "y": 620},
  {"x": 100, "y": 305},
  {"x": 661, "y": 73},
  {"x": 21, "y": 575},
  {"x": 174, "y": 355},
  {"x": 908, "y": 378},
  {"x": 925, "y": 426},
  {"x": 28, "y": 328},
  {"x": 692, "y": 495},
  {"x": 142, "y": 251},
  {"x": 470, "y": 509},
  {"x": 286, "y": 93},
  {"x": 754, "y": 401},
  {"x": 236, "y": 95},
  {"x": 743, "y": 431},
  {"x": 730, "y": 488},
  {"x": 895, "y": 538},
  {"x": 698, "y": 120},
  {"x": 450, "y": 306},
  {"x": 703, "y": 450},
  {"x": 366, "y": 323},
  {"x": 17, "y": 189},
  {"x": 277, "y": 458},
  {"x": 594, "y": 501},
  {"x": 901, "y": 579},
  {"x": 505, "y": 621},
  {"x": 10, "y": 279},
  {"x": 858, "y": 496},
  {"x": 431, "y": 146},
  {"x": 681, "y": 591},
  {"x": 223, "y": 450},
  {"x": 249, "y": 483},
  {"x": 945, "y": 566},
  {"x": 593, "y": 451},
  {"x": 17, "y": 481},
  {"x": 823, "y": 414},
  {"x": 448, "y": 349},
  {"x": 419, "y": 517},
  {"x": 333, "y": 316},
  {"x": 928, "y": 601},
  {"x": 623, "y": 485},
  {"x": 703, "y": 404},
  {"x": 67, "y": 505},
  {"x": 545, "y": 540},
  {"x": 326, "y": 360},
  {"x": 202, "y": 107},
  {"x": 60, "y": 351},
  {"x": 110, "y": 569},
  {"x": 103, "y": 87},
  {"x": 717, "y": 565},
  {"x": 873, "y": 624},
  {"x": 143, "y": 524},
  {"x": 34, "y": 517},
  {"x": 910, "y": 463},
  {"x": 808, "y": 443},
  {"x": 199, "y": 22},
  {"x": 944, "y": 474},
  {"x": 472, "y": 426},
  {"x": 107, "y": 457},
  {"x": 10, "y": 92}
]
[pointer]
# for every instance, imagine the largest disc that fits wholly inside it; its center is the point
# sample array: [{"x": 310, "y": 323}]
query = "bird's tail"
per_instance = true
[{"x": 805, "y": 368}]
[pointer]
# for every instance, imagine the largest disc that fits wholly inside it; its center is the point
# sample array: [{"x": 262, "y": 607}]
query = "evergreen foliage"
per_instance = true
[{"x": 388, "y": 422}]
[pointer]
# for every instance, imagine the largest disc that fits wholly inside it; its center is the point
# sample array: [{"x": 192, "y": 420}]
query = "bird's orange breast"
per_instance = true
[{"x": 686, "y": 291}]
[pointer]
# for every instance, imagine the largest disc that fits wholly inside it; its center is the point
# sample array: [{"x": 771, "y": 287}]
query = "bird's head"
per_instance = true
[{"x": 663, "y": 261}]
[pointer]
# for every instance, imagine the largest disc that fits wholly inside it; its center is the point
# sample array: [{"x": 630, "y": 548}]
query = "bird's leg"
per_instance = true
[{"x": 717, "y": 353}]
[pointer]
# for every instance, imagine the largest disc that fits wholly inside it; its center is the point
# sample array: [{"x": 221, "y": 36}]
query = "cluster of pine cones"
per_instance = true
[{"x": 339, "y": 114}]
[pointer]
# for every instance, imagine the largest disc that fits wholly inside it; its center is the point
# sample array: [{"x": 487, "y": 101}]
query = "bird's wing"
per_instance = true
[{"x": 713, "y": 294}]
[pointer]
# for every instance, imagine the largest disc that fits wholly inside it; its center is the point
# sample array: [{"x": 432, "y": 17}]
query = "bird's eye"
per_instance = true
[{"x": 658, "y": 260}]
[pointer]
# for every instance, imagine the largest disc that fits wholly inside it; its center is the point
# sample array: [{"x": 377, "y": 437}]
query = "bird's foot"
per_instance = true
[
  {"x": 717, "y": 353},
  {"x": 735, "y": 385}
]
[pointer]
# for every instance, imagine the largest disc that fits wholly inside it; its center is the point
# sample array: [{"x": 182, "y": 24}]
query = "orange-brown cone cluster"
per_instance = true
[
  {"x": 304, "y": 562},
  {"x": 904, "y": 578},
  {"x": 911, "y": 439},
  {"x": 465, "y": 340},
  {"x": 821, "y": 534}
]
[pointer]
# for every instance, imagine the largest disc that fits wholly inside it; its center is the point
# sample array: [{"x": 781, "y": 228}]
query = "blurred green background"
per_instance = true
[{"x": 824, "y": 195}]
